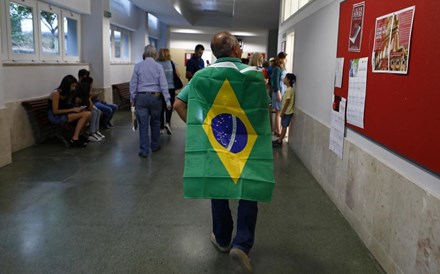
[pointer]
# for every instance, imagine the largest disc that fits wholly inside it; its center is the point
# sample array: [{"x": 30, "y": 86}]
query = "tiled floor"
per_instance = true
[{"x": 103, "y": 209}]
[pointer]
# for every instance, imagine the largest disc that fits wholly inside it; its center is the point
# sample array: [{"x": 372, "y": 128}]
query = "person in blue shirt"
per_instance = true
[
  {"x": 147, "y": 86},
  {"x": 195, "y": 62}
]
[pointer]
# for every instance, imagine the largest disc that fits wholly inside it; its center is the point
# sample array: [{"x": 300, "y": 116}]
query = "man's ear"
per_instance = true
[{"x": 237, "y": 51}]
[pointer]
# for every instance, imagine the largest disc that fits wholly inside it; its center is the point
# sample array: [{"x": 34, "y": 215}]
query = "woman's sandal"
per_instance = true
[{"x": 77, "y": 143}]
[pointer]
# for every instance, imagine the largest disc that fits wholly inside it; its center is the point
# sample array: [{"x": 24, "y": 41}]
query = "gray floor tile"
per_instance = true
[{"x": 102, "y": 209}]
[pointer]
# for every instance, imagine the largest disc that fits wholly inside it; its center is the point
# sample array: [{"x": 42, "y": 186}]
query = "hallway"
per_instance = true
[{"x": 103, "y": 209}]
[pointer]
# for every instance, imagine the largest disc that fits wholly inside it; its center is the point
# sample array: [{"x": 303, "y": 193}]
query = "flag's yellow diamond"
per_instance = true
[{"x": 229, "y": 131}]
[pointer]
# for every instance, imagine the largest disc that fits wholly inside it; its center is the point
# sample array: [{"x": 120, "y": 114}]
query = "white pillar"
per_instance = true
[
  {"x": 95, "y": 43},
  {"x": 5, "y": 129}
]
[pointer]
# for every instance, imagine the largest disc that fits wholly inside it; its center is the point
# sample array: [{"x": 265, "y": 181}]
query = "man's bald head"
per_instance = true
[{"x": 224, "y": 44}]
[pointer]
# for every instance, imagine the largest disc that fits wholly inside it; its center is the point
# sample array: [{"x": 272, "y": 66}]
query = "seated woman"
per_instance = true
[
  {"x": 83, "y": 98},
  {"x": 61, "y": 109}
]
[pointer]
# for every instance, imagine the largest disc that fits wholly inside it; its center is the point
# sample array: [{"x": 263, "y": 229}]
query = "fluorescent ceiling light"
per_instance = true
[
  {"x": 243, "y": 33},
  {"x": 193, "y": 31},
  {"x": 177, "y": 8}
]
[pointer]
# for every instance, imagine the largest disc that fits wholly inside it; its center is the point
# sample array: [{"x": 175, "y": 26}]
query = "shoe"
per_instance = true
[
  {"x": 84, "y": 138},
  {"x": 223, "y": 249},
  {"x": 275, "y": 143},
  {"x": 142, "y": 155},
  {"x": 168, "y": 128},
  {"x": 102, "y": 136},
  {"x": 241, "y": 260},
  {"x": 162, "y": 131},
  {"x": 77, "y": 143},
  {"x": 156, "y": 149},
  {"x": 94, "y": 138},
  {"x": 110, "y": 125}
]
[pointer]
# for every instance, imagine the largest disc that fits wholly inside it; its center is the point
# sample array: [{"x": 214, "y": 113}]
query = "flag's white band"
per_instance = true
[
  {"x": 231, "y": 65},
  {"x": 234, "y": 132}
]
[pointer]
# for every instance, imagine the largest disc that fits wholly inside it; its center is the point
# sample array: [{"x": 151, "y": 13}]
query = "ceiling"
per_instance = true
[{"x": 241, "y": 15}]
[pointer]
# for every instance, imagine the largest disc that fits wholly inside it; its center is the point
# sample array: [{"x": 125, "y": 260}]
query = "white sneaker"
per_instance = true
[
  {"x": 94, "y": 138},
  {"x": 98, "y": 137},
  {"x": 102, "y": 136}
]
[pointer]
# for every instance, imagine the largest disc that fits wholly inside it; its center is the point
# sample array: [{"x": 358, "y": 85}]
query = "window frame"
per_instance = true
[
  {"x": 77, "y": 17},
  {"x": 294, "y": 6},
  {"x": 8, "y": 56},
  {"x": 124, "y": 32},
  {"x": 49, "y": 8},
  {"x": 16, "y": 56}
]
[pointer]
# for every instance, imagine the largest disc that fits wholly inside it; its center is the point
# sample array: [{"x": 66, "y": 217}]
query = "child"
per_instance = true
[{"x": 287, "y": 108}]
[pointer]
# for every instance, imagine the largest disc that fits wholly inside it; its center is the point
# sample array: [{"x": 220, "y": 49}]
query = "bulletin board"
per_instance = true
[{"x": 402, "y": 111}]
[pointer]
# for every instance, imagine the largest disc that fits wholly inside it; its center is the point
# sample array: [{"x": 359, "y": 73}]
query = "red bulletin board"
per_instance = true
[{"x": 402, "y": 111}]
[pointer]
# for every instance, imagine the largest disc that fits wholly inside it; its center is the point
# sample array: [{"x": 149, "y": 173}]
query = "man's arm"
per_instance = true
[{"x": 180, "y": 107}]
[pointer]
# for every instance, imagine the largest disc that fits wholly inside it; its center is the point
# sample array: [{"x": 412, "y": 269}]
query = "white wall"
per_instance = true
[
  {"x": 2, "y": 93},
  {"x": 391, "y": 203},
  {"x": 316, "y": 36},
  {"x": 121, "y": 73},
  {"x": 32, "y": 81},
  {"x": 189, "y": 41},
  {"x": 80, "y": 6},
  {"x": 123, "y": 13}
]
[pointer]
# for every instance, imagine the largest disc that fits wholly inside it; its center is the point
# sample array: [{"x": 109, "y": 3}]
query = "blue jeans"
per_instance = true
[
  {"x": 223, "y": 224},
  {"x": 148, "y": 108},
  {"x": 107, "y": 109}
]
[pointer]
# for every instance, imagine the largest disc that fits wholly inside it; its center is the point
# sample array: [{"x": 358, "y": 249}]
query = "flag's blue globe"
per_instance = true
[{"x": 230, "y": 132}]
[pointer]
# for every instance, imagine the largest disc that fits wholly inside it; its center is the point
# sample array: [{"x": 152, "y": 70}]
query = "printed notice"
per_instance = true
[
  {"x": 357, "y": 88},
  {"x": 356, "y": 27},
  {"x": 337, "y": 128},
  {"x": 392, "y": 41},
  {"x": 338, "y": 72}
]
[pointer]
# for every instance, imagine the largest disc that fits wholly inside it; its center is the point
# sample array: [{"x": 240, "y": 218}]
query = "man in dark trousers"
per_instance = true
[{"x": 213, "y": 100}]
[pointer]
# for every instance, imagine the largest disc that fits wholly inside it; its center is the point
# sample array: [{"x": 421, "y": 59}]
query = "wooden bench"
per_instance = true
[
  {"x": 36, "y": 110},
  {"x": 123, "y": 92}
]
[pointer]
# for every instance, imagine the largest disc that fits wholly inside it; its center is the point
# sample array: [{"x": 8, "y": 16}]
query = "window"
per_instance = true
[
  {"x": 119, "y": 45},
  {"x": 40, "y": 32},
  {"x": 152, "y": 41},
  {"x": 49, "y": 32},
  {"x": 290, "y": 7},
  {"x": 22, "y": 29},
  {"x": 71, "y": 36}
]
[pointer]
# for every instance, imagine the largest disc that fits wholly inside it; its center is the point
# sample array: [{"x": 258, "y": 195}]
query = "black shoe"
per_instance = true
[
  {"x": 276, "y": 144},
  {"x": 168, "y": 128},
  {"x": 84, "y": 138},
  {"x": 77, "y": 143},
  {"x": 156, "y": 149},
  {"x": 109, "y": 125},
  {"x": 142, "y": 155}
]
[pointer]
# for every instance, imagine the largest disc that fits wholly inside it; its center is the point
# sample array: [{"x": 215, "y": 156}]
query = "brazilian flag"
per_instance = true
[{"x": 228, "y": 150}]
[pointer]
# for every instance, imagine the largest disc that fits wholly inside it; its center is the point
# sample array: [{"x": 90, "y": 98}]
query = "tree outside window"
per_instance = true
[
  {"x": 22, "y": 31},
  {"x": 49, "y": 33}
]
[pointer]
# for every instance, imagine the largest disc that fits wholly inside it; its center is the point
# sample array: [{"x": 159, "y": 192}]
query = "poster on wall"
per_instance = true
[
  {"x": 356, "y": 27},
  {"x": 357, "y": 89},
  {"x": 337, "y": 128},
  {"x": 339, "y": 69},
  {"x": 392, "y": 42}
]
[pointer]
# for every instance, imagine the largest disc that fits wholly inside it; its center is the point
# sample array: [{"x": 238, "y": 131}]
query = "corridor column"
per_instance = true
[
  {"x": 95, "y": 46},
  {"x": 5, "y": 131}
]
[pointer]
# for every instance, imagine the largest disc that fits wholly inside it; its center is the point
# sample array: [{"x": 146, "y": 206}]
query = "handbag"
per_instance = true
[{"x": 177, "y": 82}]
